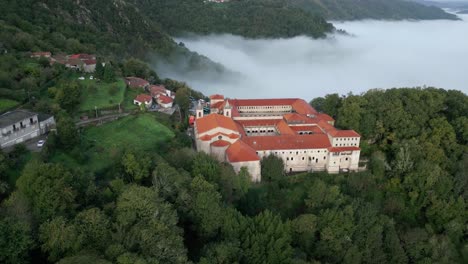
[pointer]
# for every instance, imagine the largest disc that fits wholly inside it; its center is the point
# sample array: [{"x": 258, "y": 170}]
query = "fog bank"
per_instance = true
[{"x": 380, "y": 54}]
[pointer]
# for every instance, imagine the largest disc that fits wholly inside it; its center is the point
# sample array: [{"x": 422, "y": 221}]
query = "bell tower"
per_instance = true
[
  {"x": 227, "y": 109},
  {"x": 199, "y": 110}
]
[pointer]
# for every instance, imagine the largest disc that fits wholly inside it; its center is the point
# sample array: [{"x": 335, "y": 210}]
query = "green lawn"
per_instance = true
[
  {"x": 6, "y": 104},
  {"x": 141, "y": 133},
  {"x": 130, "y": 94},
  {"x": 101, "y": 94}
]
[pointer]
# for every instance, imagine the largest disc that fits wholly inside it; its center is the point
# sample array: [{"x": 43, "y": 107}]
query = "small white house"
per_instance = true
[
  {"x": 165, "y": 101},
  {"x": 143, "y": 99}
]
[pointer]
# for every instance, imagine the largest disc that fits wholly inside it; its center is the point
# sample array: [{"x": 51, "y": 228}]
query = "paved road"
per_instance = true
[{"x": 31, "y": 144}]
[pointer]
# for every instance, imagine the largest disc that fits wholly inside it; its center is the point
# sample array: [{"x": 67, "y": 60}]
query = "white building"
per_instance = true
[
  {"x": 145, "y": 99},
  {"x": 242, "y": 132},
  {"x": 19, "y": 126}
]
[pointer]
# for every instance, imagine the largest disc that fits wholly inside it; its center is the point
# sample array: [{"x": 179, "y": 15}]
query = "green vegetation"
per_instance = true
[
  {"x": 370, "y": 9},
  {"x": 6, "y": 104},
  {"x": 107, "y": 142},
  {"x": 251, "y": 18},
  {"x": 101, "y": 94},
  {"x": 135, "y": 190}
]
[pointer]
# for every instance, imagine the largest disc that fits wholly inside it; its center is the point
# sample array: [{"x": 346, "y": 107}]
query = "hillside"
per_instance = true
[
  {"x": 253, "y": 19},
  {"x": 370, "y": 9},
  {"x": 115, "y": 29}
]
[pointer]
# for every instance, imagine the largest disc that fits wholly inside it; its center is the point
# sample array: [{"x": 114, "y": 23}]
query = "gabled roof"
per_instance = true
[
  {"x": 302, "y": 107},
  {"x": 262, "y": 102},
  {"x": 295, "y": 118},
  {"x": 315, "y": 141},
  {"x": 143, "y": 98},
  {"x": 218, "y": 105},
  {"x": 258, "y": 122},
  {"x": 212, "y": 121},
  {"x": 157, "y": 89},
  {"x": 135, "y": 82},
  {"x": 239, "y": 151},
  {"x": 344, "y": 133},
  {"x": 325, "y": 117},
  {"x": 284, "y": 129},
  {"x": 83, "y": 56},
  {"x": 209, "y": 137},
  {"x": 165, "y": 99},
  {"x": 220, "y": 143},
  {"x": 217, "y": 97}
]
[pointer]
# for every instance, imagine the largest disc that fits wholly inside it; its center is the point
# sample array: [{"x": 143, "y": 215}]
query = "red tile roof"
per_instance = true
[
  {"x": 157, "y": 90},
  {"x": 74, "y": 62},
  {"x": 234, "y": 111},
  {"x": 165, "y": 99},
  {"x": 41, "y": 54},
  {"x": 209, "y": 137},
  {"x": 217, "y": 97},
  {"x": 325, "y": 126},
  {"x": 284, "y": 129},
  {"x": 344, "y": 133},
  {"x": 217, "y": 105},
  {"x": 260, "y": 122},
  {"x": 341, "y": 149},
  {"x": 89, "y": 62},
  {"x": 220, "y": 143},
  {"x": 313, "y": 129},
  {"x": 213, "y": 121},
  {"x": 143, "y": 98},
  {"x": 302, "y": 107},
  {"x": 314, "y": 141},
  {"x": 83, "y": 56},
  {"x": 241, "y": 152},
  {"x": 135, "y": 82},
  {"x": 295, "y": 118},
  {"x": 262, "y": 102},
  {"x": 325, "y": 117}
]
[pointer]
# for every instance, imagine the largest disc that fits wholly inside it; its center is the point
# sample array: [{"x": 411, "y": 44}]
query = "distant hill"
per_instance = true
[
  {"x": 463, "y": 12},
  {"x": 371, "y": 9},
  {"x": 248, "y": 18},
  {"x": 115, "y": 29}
]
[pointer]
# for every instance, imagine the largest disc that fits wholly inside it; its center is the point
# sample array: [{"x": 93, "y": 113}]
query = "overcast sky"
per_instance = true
[{"x": 380, "y": 55}]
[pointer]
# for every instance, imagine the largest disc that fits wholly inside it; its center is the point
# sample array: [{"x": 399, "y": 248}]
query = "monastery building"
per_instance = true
[{"x": 243, "y": 131}]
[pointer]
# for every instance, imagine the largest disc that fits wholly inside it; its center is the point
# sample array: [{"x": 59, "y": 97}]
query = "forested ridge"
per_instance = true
[{"x": 370, "y": 9}]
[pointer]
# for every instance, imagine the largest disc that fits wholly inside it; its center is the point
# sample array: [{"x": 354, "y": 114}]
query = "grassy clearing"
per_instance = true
[
  {"x": 101, "y": 94},
  {"x": 6, "y": 104},
  {"x": 140, "y": 133},
  {"x": 130, "y": 94}
]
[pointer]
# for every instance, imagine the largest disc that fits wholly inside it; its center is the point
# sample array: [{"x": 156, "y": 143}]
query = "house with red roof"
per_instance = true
[
  {"x": 165, "y": 101},
  {"x": 135, "y": 82},
  {"x": 145, "y": 99},
  {"x": 243, "y": 131},
  {"x": 42, "y": 54}
]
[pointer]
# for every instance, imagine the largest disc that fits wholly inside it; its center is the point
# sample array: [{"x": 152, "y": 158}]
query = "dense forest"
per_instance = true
[
  {"x": 254, "y": 19},
  {"x": 370, "y": 9},
  {"x": 169, "y": 204}
]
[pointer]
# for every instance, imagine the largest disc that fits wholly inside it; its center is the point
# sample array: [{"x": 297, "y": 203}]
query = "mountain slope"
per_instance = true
[
  {"x": 370, "y": 9},
  {"x": 250, "y": 18},
  {"x": 111, "y": 28}
]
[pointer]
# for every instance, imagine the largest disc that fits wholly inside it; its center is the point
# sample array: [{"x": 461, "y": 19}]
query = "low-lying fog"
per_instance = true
[{"x": 380, "y": 54}]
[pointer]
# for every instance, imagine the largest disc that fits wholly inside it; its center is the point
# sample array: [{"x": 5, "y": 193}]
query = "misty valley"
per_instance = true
[{"x": 377, "y": 54}]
